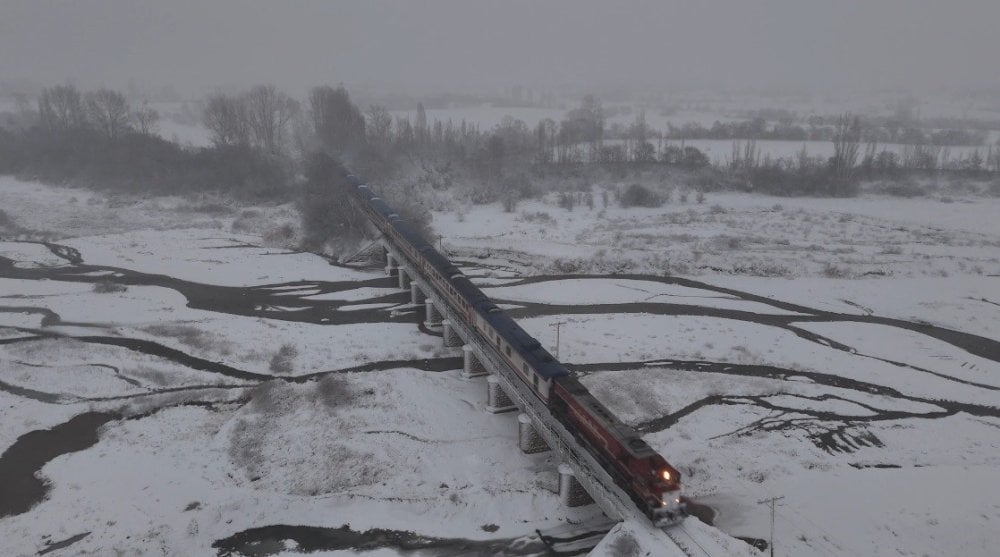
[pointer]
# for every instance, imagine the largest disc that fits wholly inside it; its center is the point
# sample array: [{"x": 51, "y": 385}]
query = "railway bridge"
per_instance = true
[{"x": 582, "y": 479}]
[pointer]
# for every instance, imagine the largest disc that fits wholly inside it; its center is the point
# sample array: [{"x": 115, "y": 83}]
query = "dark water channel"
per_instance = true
[
  {"x": 274, "y": 539},
  {"x": 20, "y": 485},
  {"x": 21, "y": 488}
]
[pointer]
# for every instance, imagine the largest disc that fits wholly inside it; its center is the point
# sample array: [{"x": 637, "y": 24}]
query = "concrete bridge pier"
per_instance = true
[
  {"x": 433, "y": 320},
  {"x": 391, "y": 265},
  {"x": 528, "y": 439},
  {"x": 571, "y": 492},
  {"x": 417, "y": 295},
  {"x": 497, "y": 399},
  {"x": 449, "y": 336},
  {"x": 472, "y": 367},
  {"x": 404, "y": 279}
]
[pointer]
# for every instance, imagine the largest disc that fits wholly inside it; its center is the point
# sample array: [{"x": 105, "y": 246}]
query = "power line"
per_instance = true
[
  {"x": 771, "y": 501},
  {"x": 557, "y": 325}
]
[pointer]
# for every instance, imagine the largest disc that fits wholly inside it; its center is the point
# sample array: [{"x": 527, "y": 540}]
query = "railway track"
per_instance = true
[{"x": 686, "y": 542}]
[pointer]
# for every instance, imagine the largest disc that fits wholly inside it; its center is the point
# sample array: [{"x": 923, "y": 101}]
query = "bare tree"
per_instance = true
[
  {"x": 582, "y": 125},
  {"x": 109, "y": 112},
  {"x": 639, "y": 132},
  {"x": 226, "y": 117},
  {"x": 846, "y": 146},
  {"x": 379, "y": 125},
  {"x": 61, "y": 107},
  {"x": 269, "y": 113},
  {"x": 420, "y": 129},
  {"x": 339, "y": 124},
  {"x": 145, "y": 119}
]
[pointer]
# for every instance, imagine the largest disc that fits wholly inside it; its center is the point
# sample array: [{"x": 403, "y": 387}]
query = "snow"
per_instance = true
[
  {"x": 620, "y": 291},
  {"x": 184, "y": 134},
  {"x": 741, "y": 234},
  {"x": 753, "y": 410},
  {"x": 207, "y": 258}
]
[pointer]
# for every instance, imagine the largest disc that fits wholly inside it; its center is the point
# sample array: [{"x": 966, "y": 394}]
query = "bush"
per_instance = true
[
  {"x": 333, "y": 392},
  {"x": 906, "y": 188},
  {"x": 537, "y": 216},
  {"x": 283, "y": 361},
  {"x": 279, "y": 236},
  {"x": 327, "y": 214},
  {"x": 271, "y": 397},
  {"x": 831, "y": 270},
  {"x": 509, "y": 200},
  {"x": 638, "y": 195},
  {"x": 198, "y": 339},
  {"x": 138, "y": 162},
  {"x": 109, "y": 287}
]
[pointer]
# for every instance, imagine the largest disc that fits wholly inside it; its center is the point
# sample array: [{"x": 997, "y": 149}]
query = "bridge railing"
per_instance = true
[{"x": 595, "y": 480}]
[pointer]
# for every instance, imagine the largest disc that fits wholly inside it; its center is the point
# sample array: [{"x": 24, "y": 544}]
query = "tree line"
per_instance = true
[
  {"x": 820, "y": 129},
  {"x": 261, "y": 139},
  {"x": 100, "y": 139}
]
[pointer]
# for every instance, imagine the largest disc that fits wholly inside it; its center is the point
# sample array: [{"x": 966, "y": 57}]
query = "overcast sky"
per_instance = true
[{"x": 481, "y": 46}]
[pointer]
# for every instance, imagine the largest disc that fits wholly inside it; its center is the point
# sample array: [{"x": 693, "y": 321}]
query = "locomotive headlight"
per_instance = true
[{"x": 666, "y": 475}]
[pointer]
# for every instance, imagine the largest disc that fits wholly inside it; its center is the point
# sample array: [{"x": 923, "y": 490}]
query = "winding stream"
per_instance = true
[{"x": 20, "y": 464}]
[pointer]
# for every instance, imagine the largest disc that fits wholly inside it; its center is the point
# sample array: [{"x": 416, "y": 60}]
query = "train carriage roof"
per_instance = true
[
  {"x": 625, "y": 435},
  {"x": 380, "y": 206},
  {"x": 526, "y": 345}
]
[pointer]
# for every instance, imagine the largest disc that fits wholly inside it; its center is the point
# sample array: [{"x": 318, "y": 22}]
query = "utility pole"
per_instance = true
[
  {"x": 557, "y": 324},
  {"x": 771, "y": 502}
]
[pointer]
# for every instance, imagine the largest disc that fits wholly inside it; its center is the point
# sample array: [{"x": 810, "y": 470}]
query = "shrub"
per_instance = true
[
  {"x": 899, "y": 189},
  {"x": 995, "y": 188},
  {"x": 509, "y": 200},
  {"x": 625, "y": 546},
  {"x": 202, "y": 341},
  {"x": 327, "y": 213},
  {"x": 210, "y": 208},
  {"x": 279, "y": 236},
  {"x": 538, "y": 216},
  {"x": 638, "y": 195},
  {"x": 270, "y": 397},
  {"x": 109, "y": 287},
  {"x": 833, "y": 271},
  {"x": 333, "y": 392},
  {"x": 283, "y": 361}
]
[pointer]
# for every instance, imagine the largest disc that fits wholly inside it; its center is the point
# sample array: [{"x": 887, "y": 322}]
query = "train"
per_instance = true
[{"x": 651, "y": 482}]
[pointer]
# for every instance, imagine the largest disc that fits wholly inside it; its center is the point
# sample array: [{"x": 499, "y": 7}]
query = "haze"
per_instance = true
[{"x": 475, "y": 46}]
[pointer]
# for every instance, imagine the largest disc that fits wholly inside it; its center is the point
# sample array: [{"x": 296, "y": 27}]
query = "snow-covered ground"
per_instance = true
[
  {"x": 256, "y": 387},
  {"x": 739, "y": 234}
]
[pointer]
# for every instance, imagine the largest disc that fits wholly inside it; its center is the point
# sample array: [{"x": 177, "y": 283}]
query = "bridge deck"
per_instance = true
[{"x": 615, "y": 503}]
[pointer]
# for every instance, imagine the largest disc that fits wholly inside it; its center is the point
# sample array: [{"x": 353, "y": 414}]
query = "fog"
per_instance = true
[{"x": 481, "y": 46}]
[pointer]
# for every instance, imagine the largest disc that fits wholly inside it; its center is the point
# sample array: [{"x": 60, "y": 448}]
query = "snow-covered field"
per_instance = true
[{"x": 260, "y": 401}]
